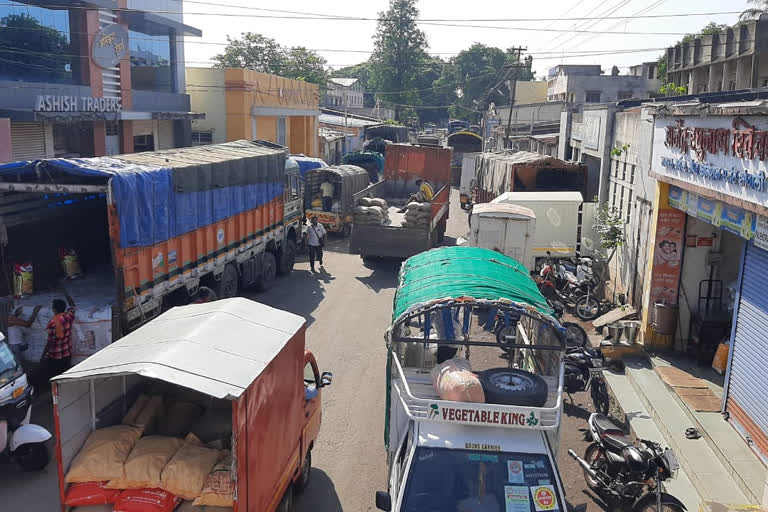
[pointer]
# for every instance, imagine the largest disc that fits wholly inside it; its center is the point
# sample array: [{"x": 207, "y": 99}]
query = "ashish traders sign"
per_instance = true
[
  {"x": 724, "y": 154},
  {"x": 50, "y": 103}
]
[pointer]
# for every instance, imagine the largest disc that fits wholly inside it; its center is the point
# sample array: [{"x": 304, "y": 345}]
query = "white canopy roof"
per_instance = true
[
  {"x": 540, "y": 196},
  {"x": 503, "y": 209},
  {"x": 217, "y": 348}
]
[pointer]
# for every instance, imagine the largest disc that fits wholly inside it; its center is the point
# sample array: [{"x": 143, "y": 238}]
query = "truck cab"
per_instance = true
[{"x": 495, "y": 453}]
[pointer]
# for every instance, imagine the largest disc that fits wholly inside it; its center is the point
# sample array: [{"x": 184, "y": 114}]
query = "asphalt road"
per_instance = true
[{"x": 347, "y": 306}]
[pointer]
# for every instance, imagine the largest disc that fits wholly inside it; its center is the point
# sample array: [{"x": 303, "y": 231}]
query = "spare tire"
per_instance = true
[{"x": 509, "y": 386}]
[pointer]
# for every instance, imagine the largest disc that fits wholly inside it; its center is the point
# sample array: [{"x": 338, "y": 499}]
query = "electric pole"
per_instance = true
[{"x": 512, "y": 85}]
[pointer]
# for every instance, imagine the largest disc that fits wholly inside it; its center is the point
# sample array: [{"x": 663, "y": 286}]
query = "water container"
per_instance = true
[
  {"x": 631, "y": 330},
  {"x": 665, "y": 318}
]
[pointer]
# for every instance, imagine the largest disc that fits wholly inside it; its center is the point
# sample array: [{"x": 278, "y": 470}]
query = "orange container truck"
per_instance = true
[
  {"x": 242, "y": 364},
  {"x": 150, "y": 228}
]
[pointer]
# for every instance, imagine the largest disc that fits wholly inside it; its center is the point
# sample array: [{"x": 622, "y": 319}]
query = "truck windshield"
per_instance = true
[{"x": 445, "y": 480}]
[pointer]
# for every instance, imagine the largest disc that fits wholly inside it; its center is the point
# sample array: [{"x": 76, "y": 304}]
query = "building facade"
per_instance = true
[
  {"x": 344, "y": 93},
  {"x": 579, "y": 84},
  {"x": 709, "y": 251},
  {"x": 246, "y": 104},
  {"x": 92, "y": 78},
  {"x": 736, "y": 58}
]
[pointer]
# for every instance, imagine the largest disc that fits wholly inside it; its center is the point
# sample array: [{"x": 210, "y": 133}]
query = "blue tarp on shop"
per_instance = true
[{"x": 165, "y": 194}]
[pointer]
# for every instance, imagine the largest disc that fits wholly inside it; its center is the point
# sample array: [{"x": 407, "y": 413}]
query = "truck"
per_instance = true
[
  {"x": 148, "y": 230},
  {"x": 523, "y": 171},
  {"x": 403, "y": 165},
  {"x": 468, "y": 179},
  {"x": 243, "y": 364},
  {"x": 557, "y": 220},
  {"x": 462, "y": 142},
  {"x": 506, "y": 228},
  {"x": 447, "y": 453}
]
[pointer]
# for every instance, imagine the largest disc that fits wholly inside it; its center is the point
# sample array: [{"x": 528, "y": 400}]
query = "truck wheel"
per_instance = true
[
  {"x": 287, "y": 257},
  {"x": 286, "y": 504},
  {"x": 510, "y": 386},
  {"x": 306, "y": 470},
  {"x": 268, "y": 272},
  {"x": 227, "y": 287}
]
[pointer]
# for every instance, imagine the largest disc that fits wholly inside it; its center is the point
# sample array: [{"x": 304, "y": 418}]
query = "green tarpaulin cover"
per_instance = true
[{"x": 453, "y": 272}]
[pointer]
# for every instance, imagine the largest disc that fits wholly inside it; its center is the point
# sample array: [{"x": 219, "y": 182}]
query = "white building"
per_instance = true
[
  {"x": 587, "y": 84},
  {"x": 344, "y": 92}
]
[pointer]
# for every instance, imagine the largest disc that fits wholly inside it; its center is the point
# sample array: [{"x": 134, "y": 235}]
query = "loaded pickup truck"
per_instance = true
[{"x": 395, "y": 238}]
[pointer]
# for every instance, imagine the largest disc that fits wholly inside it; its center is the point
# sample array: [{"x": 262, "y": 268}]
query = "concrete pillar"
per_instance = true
[
  {"x": 126, "y": 137},
  {"x": 99, "y": 138},
  {"x": 563, "y": 148},
  {"x": 6, "y": 145}
]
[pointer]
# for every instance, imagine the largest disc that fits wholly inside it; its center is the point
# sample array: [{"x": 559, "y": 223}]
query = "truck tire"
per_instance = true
[
  {"x": 32, "y": 456},
  {"x": 227, "y": 286},
  {"x": 287, "y": 257},
  {"x": 306, "y": 470},
  {"x": 509, "y": 386},
  {"x": 286, "y": 504},
  {"x": 268, "y": 272}
]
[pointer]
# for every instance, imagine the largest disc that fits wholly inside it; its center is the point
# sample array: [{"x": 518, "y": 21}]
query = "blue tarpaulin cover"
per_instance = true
[
  {"x": 165, "y": 194},
  {"x": 307, "y": 163}
]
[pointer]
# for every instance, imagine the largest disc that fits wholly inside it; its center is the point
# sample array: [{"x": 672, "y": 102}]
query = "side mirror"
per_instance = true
[
  {"x": 325, "y": 379},
  {"x": 383, "y": 501}
]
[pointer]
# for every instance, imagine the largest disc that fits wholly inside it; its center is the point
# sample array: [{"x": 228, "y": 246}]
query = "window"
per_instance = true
[
  {"x": 281, "y": 131},
  {"x": 621, "y": 200},
  {"x": 613, "y": 195},
  {"x": 112, "y": 128},
  {"x": 629, "y": 206},
  {"x": 632, "y": 174},
  {"x": 651, "y": 72},
  {"x": 309, "y": 374},
  {"x": 624, "y": 171},
  {"x": 615, "y": 168},
  {"x": 625, "y": 95},
  {"x": 38, "y": 42},
  {"x": 593, "y": 97},
  {"x": 200, "y": 138},
  {"x": 151, "y": 62},
  {"x": 143, "y": 143}
]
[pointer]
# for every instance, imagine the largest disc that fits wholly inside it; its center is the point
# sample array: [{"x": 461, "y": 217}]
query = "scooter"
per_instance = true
[{"x": 20, "y": 441}]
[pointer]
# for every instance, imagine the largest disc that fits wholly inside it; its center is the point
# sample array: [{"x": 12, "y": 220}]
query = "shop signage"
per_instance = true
[
  {"x": 591, "y": 133},
  {"x": 761, "y": 232},
  {"x": 722, "y": 215},
  {"x": 110, "y": 46},
  {"x": 720, "y": 153},
  {"x": 477, "y": 416},
  {"x": 51, "y": 103},
  {"x": 667, "y": 253}
]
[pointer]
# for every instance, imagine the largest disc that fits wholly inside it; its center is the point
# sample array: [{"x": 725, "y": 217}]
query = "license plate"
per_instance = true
[{"x": 17, "y": 392}]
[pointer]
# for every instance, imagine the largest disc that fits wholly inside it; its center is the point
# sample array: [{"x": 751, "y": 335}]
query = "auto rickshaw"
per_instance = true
[{"x": 336, "y": 214}]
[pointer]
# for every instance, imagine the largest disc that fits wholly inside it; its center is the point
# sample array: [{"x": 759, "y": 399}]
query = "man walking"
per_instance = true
[
  {"x": 58, "y": 350},
  {"x": 326, "y": 189},
  {"x": 316, "y": 236}
]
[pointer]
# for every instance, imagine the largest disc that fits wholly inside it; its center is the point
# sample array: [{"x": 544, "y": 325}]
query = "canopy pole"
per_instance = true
[{"x": 93, "y": 404}]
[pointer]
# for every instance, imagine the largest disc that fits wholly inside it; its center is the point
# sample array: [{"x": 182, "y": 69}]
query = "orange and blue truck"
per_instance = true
[{"x": 152, "y": 228}]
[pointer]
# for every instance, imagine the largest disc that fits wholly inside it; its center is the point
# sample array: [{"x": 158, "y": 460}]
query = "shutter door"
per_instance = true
[
  {"x": 143, "y": 127},
  {"x": 28, "y": 141},
  {"x": 165, "y": 134},
  {"x": 748, "y": 384}
]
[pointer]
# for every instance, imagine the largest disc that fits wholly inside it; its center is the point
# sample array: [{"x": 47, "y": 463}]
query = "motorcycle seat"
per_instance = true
[
  {"x": 616, "y": 442},
  {"x": 607, "y": 425}
]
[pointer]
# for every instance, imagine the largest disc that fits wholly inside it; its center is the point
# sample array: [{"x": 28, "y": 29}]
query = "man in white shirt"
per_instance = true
[
  {"x": 316, "y": 235},
  {"x": 326, "y": 190}
]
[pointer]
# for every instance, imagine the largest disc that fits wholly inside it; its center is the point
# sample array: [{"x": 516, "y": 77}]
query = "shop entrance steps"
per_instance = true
[
  {"x": 711, "y": 478},
  {"x": 744, "y": 466}
]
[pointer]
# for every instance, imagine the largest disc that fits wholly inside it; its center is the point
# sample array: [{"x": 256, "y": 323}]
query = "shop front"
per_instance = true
[{"x": 710, "y": 250}]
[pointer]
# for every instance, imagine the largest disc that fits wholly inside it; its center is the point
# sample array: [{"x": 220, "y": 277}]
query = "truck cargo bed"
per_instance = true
[{"x": 391, "y": 241}]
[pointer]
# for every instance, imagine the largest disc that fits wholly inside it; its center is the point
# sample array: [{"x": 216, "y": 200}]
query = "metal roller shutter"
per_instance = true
[
  {"x": 748, "y": 381},
  {"x": 28, "y": 141},
  {"x": 143, "y": 127},
  {"x": 165, "y": 134}
]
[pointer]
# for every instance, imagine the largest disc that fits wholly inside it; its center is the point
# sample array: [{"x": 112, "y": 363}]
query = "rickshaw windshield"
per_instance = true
[{"x": 9, "y": 367}]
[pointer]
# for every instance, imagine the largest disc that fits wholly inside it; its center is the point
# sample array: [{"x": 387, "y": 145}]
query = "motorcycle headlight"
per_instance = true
[{"x": 597, "y": 362}]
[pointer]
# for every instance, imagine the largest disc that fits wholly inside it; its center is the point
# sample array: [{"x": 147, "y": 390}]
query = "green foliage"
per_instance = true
[
  {"x": 39, "y": 50},
  {"x": 400, "y": 49},
  {"x": 259, "y": 53},
  {"x": 761, "y": 7},
  {"x": 610, "y": 227},
  {"x": 617, "y": 151},
  {"x": 672, "y": 89}
]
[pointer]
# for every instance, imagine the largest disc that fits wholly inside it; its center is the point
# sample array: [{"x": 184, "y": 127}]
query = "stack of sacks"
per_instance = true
[
  {"x": 453, "y": 380},
  {"x": 372, "y": 211},
  {"x": 418, "y": 214}
]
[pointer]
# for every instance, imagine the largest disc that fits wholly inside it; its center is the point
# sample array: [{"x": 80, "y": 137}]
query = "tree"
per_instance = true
[
  {"x": 399, "y": 49},
  {"x": 761, "y": 7},
  {"x": 259, "y": 53},
  {"x": 38, "y": 51}
]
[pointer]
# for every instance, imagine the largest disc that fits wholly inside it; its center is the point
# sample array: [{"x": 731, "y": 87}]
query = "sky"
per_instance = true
[{"x": 550, "y": 41}]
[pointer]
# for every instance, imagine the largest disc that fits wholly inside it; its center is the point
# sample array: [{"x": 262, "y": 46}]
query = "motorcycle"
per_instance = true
[
  {"x": 573, "y": 285},
  {"x": 624, "y": 474},
  {"x": 20, "y": 441},
  {"x": 584, "y": 370},
  {"x": 506, "y": 328}
]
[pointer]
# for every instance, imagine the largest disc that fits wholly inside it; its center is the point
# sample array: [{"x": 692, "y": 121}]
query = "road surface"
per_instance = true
[{"x": 347, "y": 307}]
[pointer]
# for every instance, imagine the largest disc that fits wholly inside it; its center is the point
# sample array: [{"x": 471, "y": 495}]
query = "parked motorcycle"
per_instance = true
[
  {"x": 624, "y": 474},
  {"x": 584, "y": 370},
  {"x": 20, "y": 441},
  {"x": 506, "y": 328},
  {"x": 573, "y": 285}
]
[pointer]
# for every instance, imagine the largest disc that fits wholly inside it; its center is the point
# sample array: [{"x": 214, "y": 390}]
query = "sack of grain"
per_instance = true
[
  {"x": 377, "y": 201},
  {"x": 146, "y": 462},
  {"x": 219, "y": 488},
  {"x": 364, "y": 201},
  {"x": 103, "y": 455},
  {"x": 186, "y": 472}
]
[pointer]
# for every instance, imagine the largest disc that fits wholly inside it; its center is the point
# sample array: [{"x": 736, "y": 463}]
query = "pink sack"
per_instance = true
[{"x": 453, "y": 380}]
